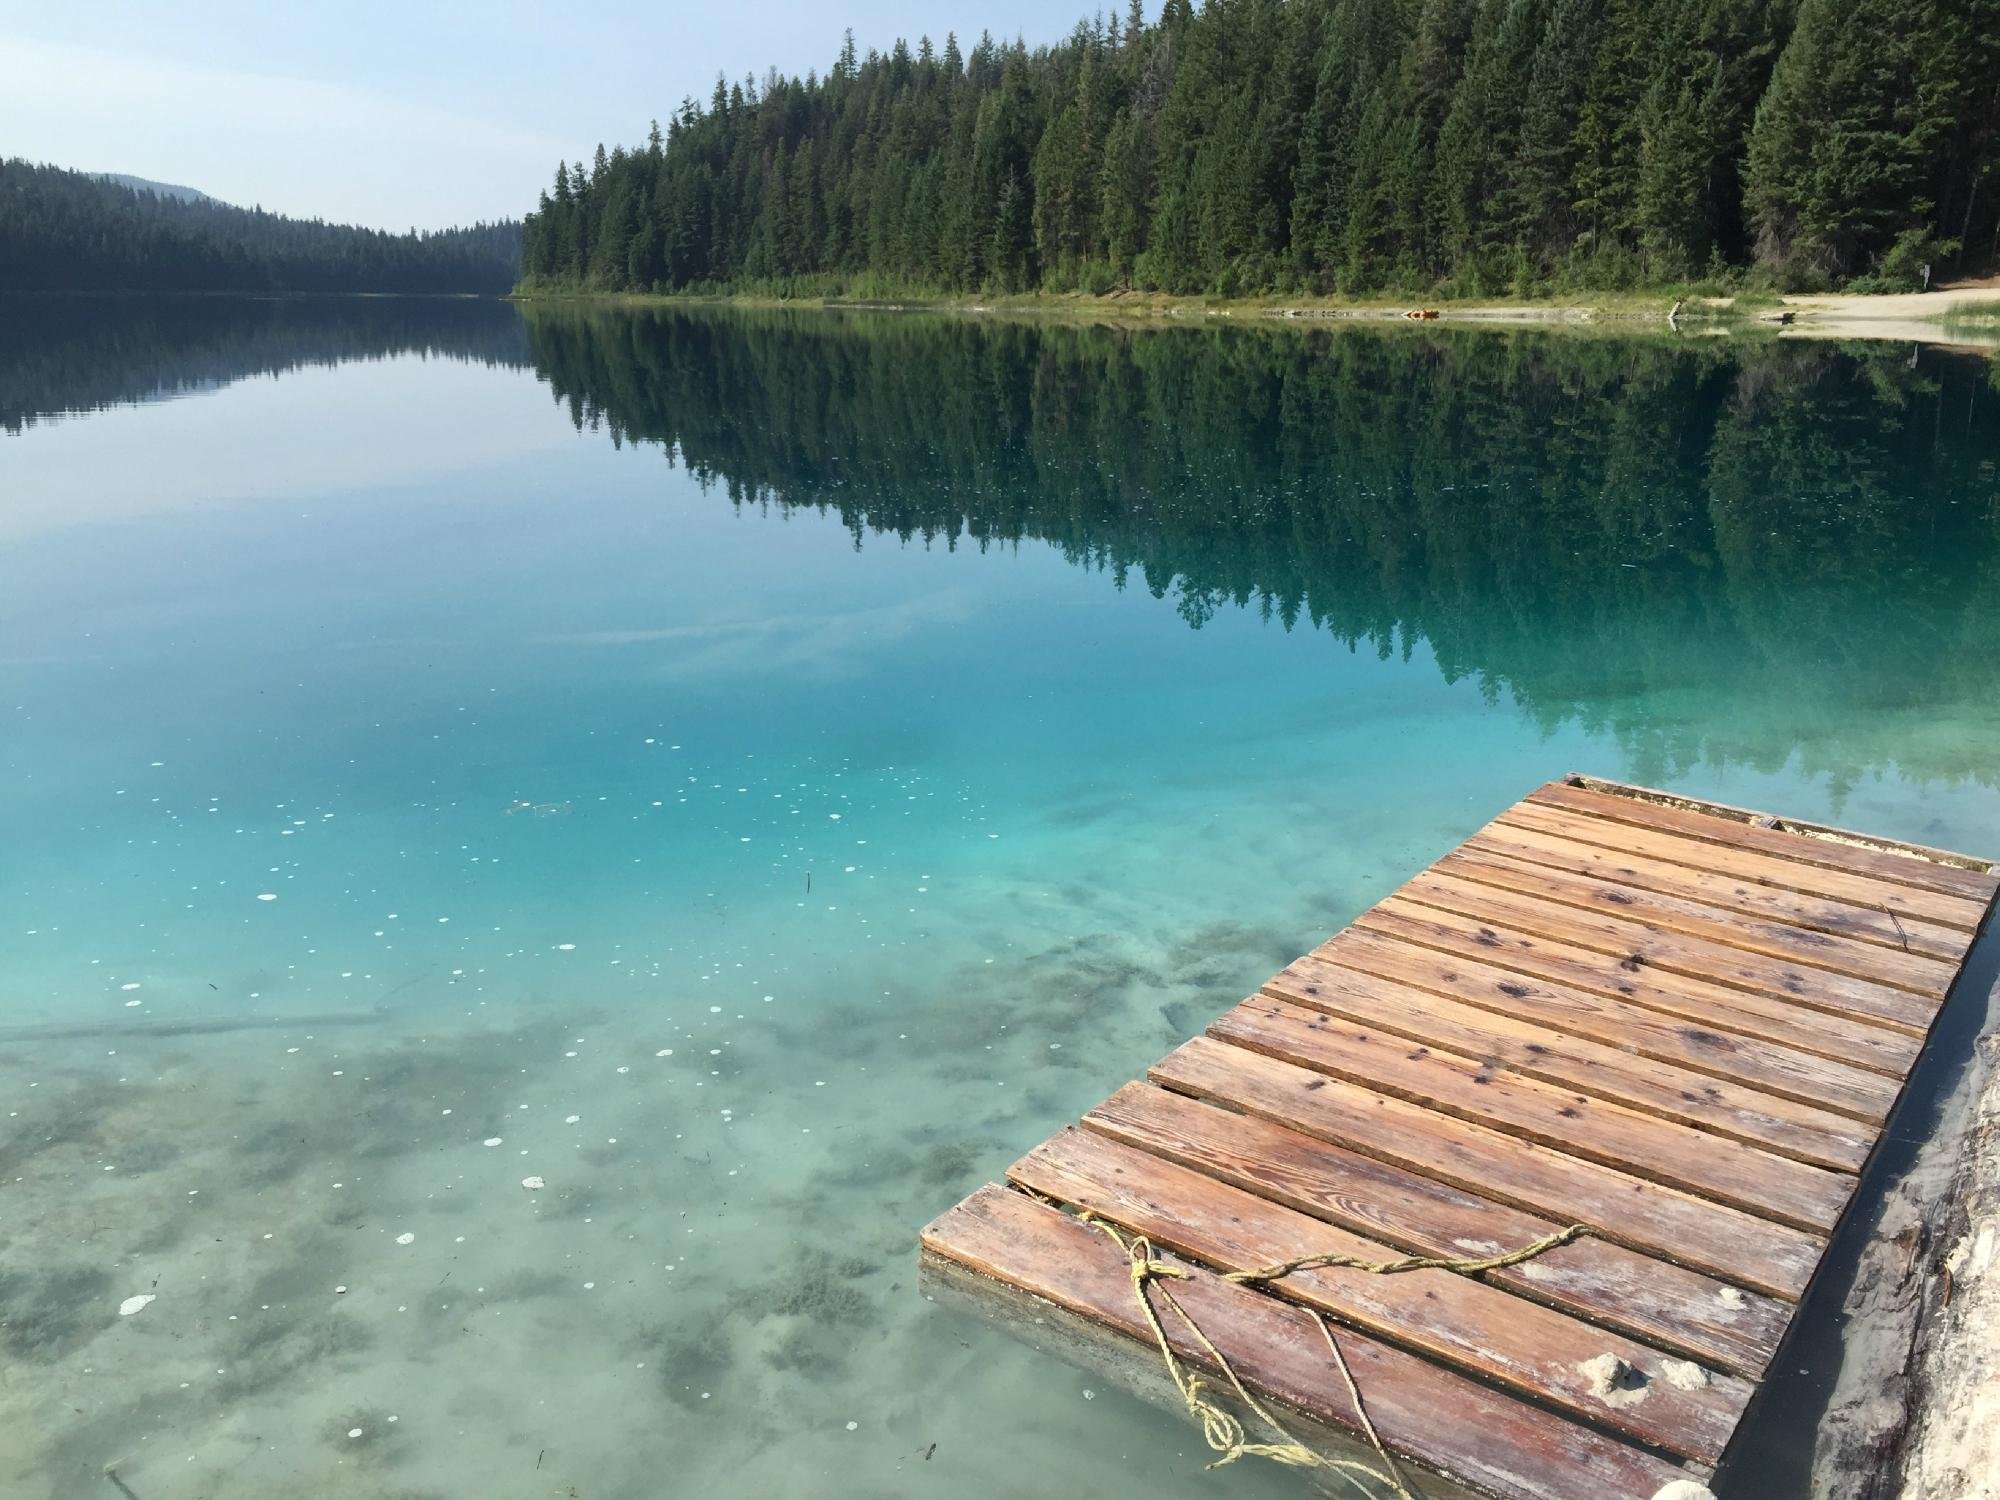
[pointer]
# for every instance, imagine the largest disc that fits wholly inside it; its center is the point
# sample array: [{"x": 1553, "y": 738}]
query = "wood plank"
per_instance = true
[
  {"x": 1758, "y": 1063},
  {"x": 1526, "y": 1046},
  {"x": 1709, "y": 1007},
  {"x": 1730, "y": 812},
  {"x": 1748, "y": 865},
  {"x": 1491, "y": 1442},
  {"x": 1711, "y": 1237},
  {"x": 1655, "y": 1301},
  {"x": 1470, "y": 1325},
  {"x": 1765, "y": 902},
  {"x": 1636, "y": 944},
  {"x": 1894, "y": 869},
  {"x": 1724, "y": 1171},
  {"x": 1916, "y": 972}
]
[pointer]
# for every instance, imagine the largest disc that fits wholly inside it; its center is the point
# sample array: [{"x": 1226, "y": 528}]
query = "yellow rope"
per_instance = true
[
  {"x": 1221, "y": 1429},
  {"x": 1285, "y": 1268}
]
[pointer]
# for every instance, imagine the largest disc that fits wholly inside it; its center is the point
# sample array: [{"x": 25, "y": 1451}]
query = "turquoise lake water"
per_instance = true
[{"x": 756, "y": 774}]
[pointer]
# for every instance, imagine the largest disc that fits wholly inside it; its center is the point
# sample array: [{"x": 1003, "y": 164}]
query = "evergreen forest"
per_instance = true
[
  {"x": 1323, "y": 147},
  {"x": 73, "y": 231}
]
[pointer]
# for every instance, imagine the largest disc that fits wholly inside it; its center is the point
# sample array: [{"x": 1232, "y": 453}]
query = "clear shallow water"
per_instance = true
[{"x": 762, "y": 773}]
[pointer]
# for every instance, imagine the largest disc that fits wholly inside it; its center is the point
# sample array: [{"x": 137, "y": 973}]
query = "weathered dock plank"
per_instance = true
[
  {"x": 1941, "y": 871},
  {"x": 1747, "y": 865},
  {"x": 1899, "y": 968},
  {"x": 1454, "y": 1319},
  {"x": 1634, "y": 943},
  {"x": 1492, "y": 1443},
  {"x": 1680, "y": 1025},
  {"x": 1787, "y": 1126},
  {"x": 1664, "y": 1304},
  {"x": 1492, "y": 1093},
  {"x": 1759, "y": 1062},
  {"x": 1770, "y": 903},
  {"x": 1706, "y": 1005},
  {"x": 1727, "y": 1242}
]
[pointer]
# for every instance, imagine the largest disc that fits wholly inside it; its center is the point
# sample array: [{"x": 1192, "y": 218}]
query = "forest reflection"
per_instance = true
[
  {"x": 1712, "y": 550},
  {"x": 71, "y": 355}
]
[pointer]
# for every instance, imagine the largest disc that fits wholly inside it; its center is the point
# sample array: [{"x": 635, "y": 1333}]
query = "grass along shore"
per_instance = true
[{"x": 1962, "y": 315}]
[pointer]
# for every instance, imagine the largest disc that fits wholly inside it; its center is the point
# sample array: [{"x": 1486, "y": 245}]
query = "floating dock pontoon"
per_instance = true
[{"x": 1679, "y": 1025}]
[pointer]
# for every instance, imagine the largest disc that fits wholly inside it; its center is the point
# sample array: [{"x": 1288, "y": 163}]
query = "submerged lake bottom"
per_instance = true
[{"x": 543, "y": 846}]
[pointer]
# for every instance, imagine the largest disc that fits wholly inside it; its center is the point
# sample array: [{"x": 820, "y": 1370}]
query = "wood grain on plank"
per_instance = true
[
  {"x": 1706, "y": 1006},
  {"x": 1769, "y": 1067},
  {"x": 1479, "y": 1328},
  {"x": 1905, "y": 902},
  {"x": 1725, "y": 1171},
  {"x": 1653, "y": 1300},
  {"x": 1916, "y": 972},
  {"x": 1633, "y": 942},
  {"x": 1494, "y": 1443},
  {"x": 1648, "y": 1216},
  {"x": 1894, "y": 869},
  {"x": 1767, "y": 903},
  {"x": 1526, "y": 1046}
]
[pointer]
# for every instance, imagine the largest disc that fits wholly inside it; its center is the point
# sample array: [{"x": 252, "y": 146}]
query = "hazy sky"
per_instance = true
[{"x": 409, "y": 113}]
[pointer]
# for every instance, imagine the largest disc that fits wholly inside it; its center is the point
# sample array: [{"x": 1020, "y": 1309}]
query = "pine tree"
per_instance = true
[{"x": 1845, "y": 152}]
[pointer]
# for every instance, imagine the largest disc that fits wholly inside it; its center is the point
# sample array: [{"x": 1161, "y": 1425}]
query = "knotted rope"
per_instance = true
[
  {"x": 1285, "y": 1268},
  {"x": 1221, "y": 1429}
]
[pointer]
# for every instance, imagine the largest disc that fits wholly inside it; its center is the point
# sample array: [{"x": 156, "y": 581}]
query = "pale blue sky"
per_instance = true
[{"x": 410, "y": 113}]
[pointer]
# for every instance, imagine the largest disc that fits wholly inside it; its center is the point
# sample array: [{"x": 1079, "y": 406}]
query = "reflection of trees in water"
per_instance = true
[
  {"x": 1707, "y": 551},
  {"x": 81, "y": 353}
]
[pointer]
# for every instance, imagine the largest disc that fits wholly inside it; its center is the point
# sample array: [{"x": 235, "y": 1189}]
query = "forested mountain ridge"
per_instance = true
[
  {"x": 1325, "y": 146},
  {"x": 78, "y": 231}
]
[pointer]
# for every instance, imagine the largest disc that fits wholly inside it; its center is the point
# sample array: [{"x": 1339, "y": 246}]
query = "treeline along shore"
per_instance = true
[{"x": 1326, "y": 147}]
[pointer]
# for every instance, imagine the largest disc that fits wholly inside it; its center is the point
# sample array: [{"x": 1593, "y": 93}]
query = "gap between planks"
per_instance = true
[
  {"x": 1716, "y": 1168},
  {"x": 1630, "y": 979},
  {"x": 1729, "y": 812},
  {"x": 1699, "y": 1101},
  {"x": 1632, "y": 943},
  {"x": 1911, "y": 865},
  {"x": 1774, "y": 1067}
]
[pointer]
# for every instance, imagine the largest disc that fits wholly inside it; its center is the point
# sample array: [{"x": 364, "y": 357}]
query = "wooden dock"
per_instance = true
[{"x": 1680, "y": 1025}]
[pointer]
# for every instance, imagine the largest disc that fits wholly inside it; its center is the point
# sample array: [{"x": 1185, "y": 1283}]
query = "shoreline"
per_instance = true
[{"x": 1908, "y": 317}]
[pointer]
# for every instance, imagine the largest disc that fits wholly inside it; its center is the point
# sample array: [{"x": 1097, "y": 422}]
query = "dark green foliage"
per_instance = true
[
  {"x": 1876, "y": 138},
  {"x": 71, "y": 231},
  {"x": 1321, "y": 145}
]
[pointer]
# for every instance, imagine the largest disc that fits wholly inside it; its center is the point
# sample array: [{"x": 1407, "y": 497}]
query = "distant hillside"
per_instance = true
[
  {"x": 164, "y": 189},
  {"x": 81, "y": 231}
]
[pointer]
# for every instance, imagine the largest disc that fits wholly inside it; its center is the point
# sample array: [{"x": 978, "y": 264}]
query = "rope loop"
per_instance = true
[{"x": 1221, "y": 1429}]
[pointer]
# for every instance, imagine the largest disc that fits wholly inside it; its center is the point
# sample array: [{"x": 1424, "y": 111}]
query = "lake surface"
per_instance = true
[{"x": 756, "y": 774}]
